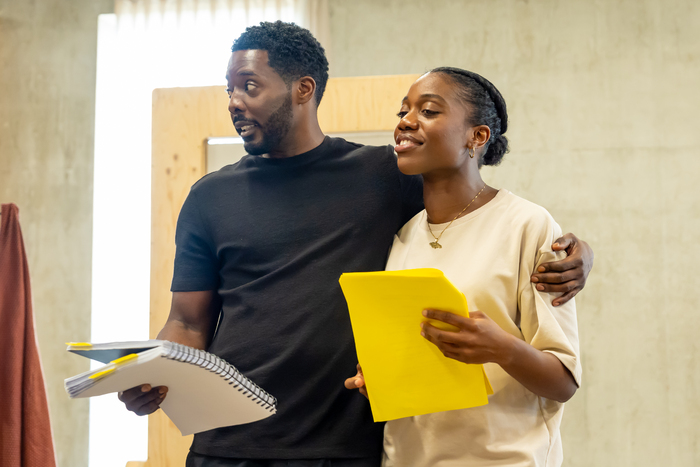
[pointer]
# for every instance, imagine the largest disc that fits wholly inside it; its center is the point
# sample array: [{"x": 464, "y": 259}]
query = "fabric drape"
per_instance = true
[{"x": 25, "y": 429}]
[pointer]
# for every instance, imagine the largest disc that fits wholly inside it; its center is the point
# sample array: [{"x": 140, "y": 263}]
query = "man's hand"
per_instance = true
[
  {"x": 143, "y": 400},
  {"x": 569, "y": 275},
  {"x": 357, "y": 382}
]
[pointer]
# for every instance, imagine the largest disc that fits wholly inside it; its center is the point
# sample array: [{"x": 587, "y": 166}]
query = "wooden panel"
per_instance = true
[
  {"x": 363, "y": 104},
  {"x": 182, "y": 119}
]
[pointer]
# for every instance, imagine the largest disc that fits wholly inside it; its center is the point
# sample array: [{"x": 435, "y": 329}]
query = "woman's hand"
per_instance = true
[
  {"x": 478, "y": 340},
  {"x": 569, "y": 275},
  {"x": 357, "y": 382}
]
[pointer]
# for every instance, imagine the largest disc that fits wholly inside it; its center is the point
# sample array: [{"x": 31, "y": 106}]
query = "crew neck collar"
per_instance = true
[{"x": 294, "y": 161}]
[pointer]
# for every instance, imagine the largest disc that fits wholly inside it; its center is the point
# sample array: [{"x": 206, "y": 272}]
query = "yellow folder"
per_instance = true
[{"x": 405, "y": 374}]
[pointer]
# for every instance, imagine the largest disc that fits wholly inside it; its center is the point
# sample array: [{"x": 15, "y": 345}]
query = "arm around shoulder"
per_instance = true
[{"x": 566, "y": 276}]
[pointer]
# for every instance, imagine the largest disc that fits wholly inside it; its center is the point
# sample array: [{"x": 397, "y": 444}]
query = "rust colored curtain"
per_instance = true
[{"x": 25, "y": 429}]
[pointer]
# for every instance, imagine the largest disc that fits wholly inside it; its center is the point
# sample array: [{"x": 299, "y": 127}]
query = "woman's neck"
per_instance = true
[{"x": 446, "y": 197}]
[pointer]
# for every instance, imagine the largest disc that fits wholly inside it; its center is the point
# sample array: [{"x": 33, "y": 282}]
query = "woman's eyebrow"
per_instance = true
[
  {"x": 436, "y": 97},
  {"x": 433, "y": 96}
]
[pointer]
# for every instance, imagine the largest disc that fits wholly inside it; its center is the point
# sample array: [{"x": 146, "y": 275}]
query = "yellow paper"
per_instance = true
[{"x": 405, "y": 374}]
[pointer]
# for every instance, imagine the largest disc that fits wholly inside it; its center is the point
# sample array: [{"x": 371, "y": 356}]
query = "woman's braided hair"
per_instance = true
[{"x": 488, "y": 108}]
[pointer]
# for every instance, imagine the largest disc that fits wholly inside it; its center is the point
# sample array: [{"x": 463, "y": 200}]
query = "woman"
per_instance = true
[{"x": 488, "y": 242}]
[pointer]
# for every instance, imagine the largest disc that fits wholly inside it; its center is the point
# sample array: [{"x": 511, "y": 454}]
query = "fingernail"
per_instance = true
[
  {"x": 533, "y": 279},
  {"x": 422, "y": 334},
  {"x": 540, "y": 269},
  {"x": 540, "y": 287},
  {"x": 358, "y": 383},
  {"x": 163, "y": 390},
  {"x": 555, "y": 245},
  {"x": 145, "y": 388},
  {"x": 425, "y": 312},
  {"x": 556, "y": 303},
  {"x": 421, "y": 325}
]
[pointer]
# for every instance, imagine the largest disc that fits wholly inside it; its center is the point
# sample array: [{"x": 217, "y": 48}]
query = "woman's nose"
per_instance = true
[{"x": 408, "y": 121}]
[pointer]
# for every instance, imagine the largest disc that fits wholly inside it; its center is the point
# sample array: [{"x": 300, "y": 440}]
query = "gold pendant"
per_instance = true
[{"x": 435, "y": 244}]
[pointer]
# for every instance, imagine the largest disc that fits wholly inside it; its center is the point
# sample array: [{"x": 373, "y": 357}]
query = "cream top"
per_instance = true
[{"x": 489, "y": 254}]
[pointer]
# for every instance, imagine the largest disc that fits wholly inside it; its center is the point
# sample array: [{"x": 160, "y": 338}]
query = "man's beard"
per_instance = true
[{"x": 275, "y": 130}]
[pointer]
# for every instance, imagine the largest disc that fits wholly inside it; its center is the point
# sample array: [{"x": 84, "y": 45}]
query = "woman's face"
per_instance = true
[{"x": 433, "y": 133}]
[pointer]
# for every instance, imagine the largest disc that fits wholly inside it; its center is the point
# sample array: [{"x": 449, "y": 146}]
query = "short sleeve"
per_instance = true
[
  {"x": 546, "y": 327},
  {"x": 196, "y": 265}
]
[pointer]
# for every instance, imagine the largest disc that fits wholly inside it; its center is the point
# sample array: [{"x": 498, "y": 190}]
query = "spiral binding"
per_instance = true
[{"x": 211, "y": 362}]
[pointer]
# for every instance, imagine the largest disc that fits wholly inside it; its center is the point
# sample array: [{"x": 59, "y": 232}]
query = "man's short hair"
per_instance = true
[{"x": 292, "y": 52}]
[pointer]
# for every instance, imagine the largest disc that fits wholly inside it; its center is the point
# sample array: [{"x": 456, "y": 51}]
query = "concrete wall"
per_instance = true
[
  {"x": 603, "y": 99},
  {"x": 47, "y": 106}
]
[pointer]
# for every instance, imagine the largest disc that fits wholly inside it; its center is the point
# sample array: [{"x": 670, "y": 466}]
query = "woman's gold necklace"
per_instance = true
[{"x": 436, "y": 243}]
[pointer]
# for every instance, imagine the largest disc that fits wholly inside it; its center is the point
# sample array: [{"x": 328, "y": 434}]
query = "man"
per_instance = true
[{"x": 261, "y": 245}]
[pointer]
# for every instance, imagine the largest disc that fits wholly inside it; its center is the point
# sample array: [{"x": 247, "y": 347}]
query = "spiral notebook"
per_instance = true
[{"x": 204, "y": 391}]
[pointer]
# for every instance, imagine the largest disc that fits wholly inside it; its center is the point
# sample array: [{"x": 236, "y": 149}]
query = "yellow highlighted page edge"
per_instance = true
[
  {"x": 103, "y": 373},
  {"x": 125, "y": 359}
]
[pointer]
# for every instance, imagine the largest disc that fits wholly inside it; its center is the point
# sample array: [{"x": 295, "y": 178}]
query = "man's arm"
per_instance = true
[
  {"x": 569, "y": 275},
  {"x": 192, "y": 320}
]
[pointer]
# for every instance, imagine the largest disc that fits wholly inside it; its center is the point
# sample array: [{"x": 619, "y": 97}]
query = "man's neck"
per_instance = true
[{"x": 299, "y": 141}]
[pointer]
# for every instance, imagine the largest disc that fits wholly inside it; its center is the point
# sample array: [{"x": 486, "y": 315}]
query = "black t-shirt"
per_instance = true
[{"x": 273, "y": 236}]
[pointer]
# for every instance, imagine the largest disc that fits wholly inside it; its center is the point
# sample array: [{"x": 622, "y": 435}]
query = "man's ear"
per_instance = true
[{"x": 304, "y": 90}]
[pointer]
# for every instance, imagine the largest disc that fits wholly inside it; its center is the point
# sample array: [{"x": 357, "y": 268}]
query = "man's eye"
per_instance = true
[
  {"x": 429, "y": 113},
  {"x": 249, "y": 86},
  {"x": 401, "y": 114},
  {"x": 229, "y": 92}
]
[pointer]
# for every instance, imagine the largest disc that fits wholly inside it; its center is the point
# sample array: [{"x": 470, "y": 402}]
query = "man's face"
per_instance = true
[{"x": 259, "y": 101}]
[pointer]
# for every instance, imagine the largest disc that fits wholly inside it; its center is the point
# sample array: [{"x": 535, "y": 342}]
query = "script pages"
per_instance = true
[{"x": 405, "y": 374}]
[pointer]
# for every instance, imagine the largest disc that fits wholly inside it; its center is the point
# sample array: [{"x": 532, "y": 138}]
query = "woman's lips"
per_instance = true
[{"x": 406, "y": 145}]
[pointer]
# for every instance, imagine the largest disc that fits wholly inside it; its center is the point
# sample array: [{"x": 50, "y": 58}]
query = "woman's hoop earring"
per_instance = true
[{"x": 471, "y": 152}]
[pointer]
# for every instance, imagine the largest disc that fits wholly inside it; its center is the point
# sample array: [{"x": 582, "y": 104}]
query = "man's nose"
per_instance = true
[{"x": 235, "y": 104}]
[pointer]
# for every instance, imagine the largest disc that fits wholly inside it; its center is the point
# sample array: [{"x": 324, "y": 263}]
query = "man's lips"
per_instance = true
[
  {"x": 244, "y": 127},
  {"x": 406, "y": 143}
]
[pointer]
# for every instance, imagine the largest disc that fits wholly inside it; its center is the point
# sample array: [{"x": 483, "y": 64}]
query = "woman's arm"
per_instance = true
[{"x": 480, "y": 340}]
